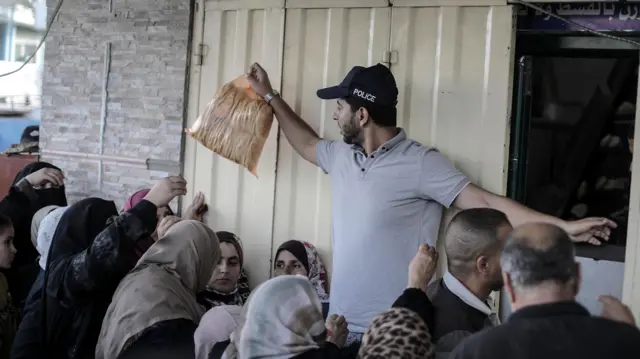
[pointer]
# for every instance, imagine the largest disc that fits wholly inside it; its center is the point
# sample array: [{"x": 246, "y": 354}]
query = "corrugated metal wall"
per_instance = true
[
  {"x": 454, "y": 76},
  {"x": 453, "y": 73},
  {"x": 235, "y": 35},
  {"x": 321, "y": 47},
  {"x": 453, "y": 67}
]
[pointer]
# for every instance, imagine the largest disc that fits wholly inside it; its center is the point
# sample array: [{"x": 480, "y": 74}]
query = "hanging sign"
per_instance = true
[{"x": 594, "y": 15}]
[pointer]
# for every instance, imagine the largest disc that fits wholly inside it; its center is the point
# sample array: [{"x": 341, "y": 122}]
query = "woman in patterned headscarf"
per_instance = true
[
  {"x": 397, "y": 333},
  {"x": 297, "y": 257},
  {"x": 229, "y": 284}
]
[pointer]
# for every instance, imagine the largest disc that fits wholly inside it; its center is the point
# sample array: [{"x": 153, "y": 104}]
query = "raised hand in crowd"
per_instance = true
[
  {"x": 614, "y": 309},
  {"x": 165, "y": 190},
  {"x": 337, "y": 330},
  {"x": 45, "y": 176},
  {"x": 422, "y": 267},
  {"x": 165, "y": 224},
  {"x": 197, "y": 208}
]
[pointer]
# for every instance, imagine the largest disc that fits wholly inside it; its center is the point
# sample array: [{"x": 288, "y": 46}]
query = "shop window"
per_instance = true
[
  {"x": 572, "y": 133},
  {"x": 23, "y": 51}
]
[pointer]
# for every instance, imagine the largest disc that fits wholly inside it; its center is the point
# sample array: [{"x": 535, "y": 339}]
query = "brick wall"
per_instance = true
[{"x": 145, "y": 101}]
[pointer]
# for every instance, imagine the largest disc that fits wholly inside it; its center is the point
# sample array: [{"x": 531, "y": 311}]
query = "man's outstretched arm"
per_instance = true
[{"x": 300, "y": 135}]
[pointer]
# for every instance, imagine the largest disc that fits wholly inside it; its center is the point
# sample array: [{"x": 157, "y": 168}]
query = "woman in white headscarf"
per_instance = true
[
  {"x": 37, "y": 220},
  {"x": 282, "y": 320},
  {"x": 154, "y": 311},
  {"x": 216, "y": 326},
  {"x": 44, "y": 231}
]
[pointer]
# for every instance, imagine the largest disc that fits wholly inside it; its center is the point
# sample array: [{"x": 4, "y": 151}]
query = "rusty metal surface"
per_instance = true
[{"x": 9, "y": 167}]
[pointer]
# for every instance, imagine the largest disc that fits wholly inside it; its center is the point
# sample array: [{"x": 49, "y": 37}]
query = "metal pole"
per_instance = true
[{"x": 103, "y": 110}]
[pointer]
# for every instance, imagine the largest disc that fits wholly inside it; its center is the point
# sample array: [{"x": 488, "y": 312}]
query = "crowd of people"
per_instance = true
[{"x": 85, "y": 280}]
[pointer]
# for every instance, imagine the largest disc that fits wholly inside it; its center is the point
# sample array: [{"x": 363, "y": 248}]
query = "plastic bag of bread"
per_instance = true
[{"x": 235, "y": 124}]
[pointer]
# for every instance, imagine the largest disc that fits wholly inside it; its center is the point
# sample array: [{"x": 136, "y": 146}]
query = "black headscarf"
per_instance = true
[
  {"x": 24, "y": 269},
  {"x": 47, "y": 196},
  {"x": 228, "y": 237},
  {"x": 30, "y": 134},
  {"x": 73, "y": 325},
  {"x": 297, "y": 249},
  {"x": 78, "y": 227}
]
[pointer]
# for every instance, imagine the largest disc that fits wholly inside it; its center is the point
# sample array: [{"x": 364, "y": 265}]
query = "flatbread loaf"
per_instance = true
[{"x": 235, "y": 124}]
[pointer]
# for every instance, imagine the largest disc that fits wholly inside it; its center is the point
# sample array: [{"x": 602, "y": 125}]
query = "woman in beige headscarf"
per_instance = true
[
  {"x": 37, "y": 220},
  {"x": 154, "y": 309}
]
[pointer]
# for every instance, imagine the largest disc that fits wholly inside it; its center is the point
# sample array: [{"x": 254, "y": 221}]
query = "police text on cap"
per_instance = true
[{"x": 367, "y": 96}]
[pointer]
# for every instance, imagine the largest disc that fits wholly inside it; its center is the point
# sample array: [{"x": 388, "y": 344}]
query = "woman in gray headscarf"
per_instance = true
[
  {"x": 154, "y": 311},
  {"x": 283, "y": 320}
]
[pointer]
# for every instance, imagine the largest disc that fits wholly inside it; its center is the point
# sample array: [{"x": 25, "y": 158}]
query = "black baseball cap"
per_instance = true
[{"x": 374, "y": 84}]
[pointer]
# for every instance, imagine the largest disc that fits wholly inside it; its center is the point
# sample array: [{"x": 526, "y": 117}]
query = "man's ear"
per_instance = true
[
  {"x": 482, "y": 265},
  {"x": 363, "y": 116}
]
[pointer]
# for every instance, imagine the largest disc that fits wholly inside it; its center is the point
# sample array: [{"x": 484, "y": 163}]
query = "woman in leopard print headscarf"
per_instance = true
[{"x": 397, "y": 333}]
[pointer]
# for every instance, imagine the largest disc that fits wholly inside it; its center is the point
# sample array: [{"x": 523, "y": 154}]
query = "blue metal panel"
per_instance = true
[{"x": 11, "y": 130}]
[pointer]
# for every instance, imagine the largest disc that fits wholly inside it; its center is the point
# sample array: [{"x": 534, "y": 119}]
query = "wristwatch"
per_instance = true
[{"x": 271, "y": 95}]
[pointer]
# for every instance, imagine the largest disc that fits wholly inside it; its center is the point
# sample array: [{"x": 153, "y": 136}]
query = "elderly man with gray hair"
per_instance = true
[{"x": 542, "y": 279}]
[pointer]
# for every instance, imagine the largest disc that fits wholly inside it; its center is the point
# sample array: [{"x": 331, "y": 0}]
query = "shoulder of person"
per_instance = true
[
  {"x": 448, "y": 342},
  {"x": 5, "y": 295},
  {"x": 416, "y": 148},
  {"x": 434, "y": 289},
  {"x": 482, "y": 343},
  {"x": 618, "y": 329}
]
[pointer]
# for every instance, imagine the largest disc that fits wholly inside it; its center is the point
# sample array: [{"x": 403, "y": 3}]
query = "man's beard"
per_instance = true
[
  {"x": 350, "y": 139},
  {"x": 350, "y": 132}
]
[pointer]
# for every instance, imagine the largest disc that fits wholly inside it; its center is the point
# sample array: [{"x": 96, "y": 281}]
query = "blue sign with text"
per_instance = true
[{"x": 593, "y": 15}]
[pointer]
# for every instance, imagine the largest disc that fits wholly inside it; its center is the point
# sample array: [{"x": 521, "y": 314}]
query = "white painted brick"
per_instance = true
[{"x": 146, "y": 90}]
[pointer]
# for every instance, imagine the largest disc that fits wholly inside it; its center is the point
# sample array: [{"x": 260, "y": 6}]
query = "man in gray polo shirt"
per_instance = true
[{"x": 388, "y": 191}]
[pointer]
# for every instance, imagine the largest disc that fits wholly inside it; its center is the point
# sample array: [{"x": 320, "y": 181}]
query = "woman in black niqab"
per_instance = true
[
  {"x": 20, "y": 205},
  {"x": 48, "y": 196}
]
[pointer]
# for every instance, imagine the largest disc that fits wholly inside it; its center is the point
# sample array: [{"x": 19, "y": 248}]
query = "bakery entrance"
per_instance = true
[{"x": 573, "y": 128}]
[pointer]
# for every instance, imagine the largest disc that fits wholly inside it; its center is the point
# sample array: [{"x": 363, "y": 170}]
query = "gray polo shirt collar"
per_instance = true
[{"x": 387, "y": 146}]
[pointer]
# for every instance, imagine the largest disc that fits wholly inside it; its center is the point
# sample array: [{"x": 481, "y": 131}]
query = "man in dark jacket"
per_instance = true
[
  {"x": 473, "y": 241},
  {"x": 541, "y": 280}
]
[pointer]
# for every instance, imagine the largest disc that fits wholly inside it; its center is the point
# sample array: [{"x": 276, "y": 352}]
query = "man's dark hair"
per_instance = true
[
  {"x": 382, "y": 116},
  {"x": 542, "y": 253},
  {"x": 30, "y": 134},
  {"x": 472, "y": 233},
  {"x": 5, "y": 222}
]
